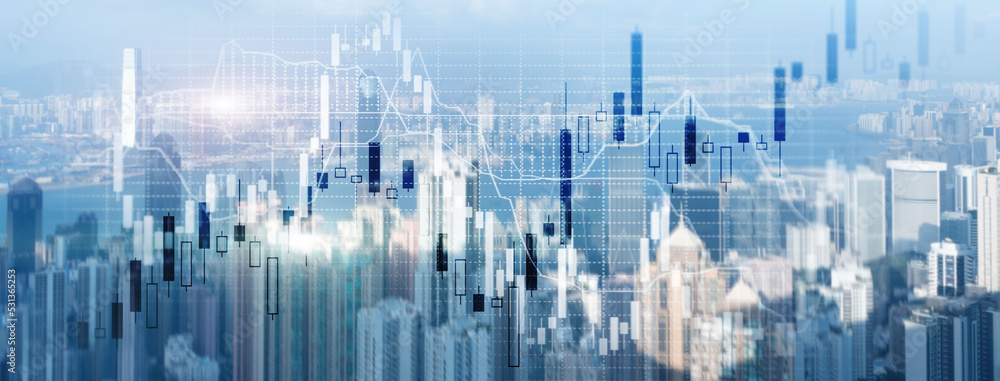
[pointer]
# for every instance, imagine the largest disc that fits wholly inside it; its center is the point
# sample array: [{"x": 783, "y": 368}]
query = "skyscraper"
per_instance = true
[
  {"x": 988, "y": 250},
  {"x": 965, "y": 188},
  {"x": 951, "y": 267},
  {"x": 956, "y": 123},
  {"x": 831, "y": 58},
  {"x": 957, "y": 227},
  {"x": 390, "y": 342},
  {"x": 443, "y": 206},
  {"x": 809, "y": 247},
  {"x": 677, "y": 304},
  {"x": 703, "y": 208},
  {"x": 24, "y": 225},
  {"x": 89, "y": 288},
  {"x": 955, "y": 342},
  {"x": 866, "y": 214},
  {"x": 984, "y": 150},
  {"x": 80, "y": 238},
  {"x": 742, "y": 347},
  {"x": 47, "y": 326},
  {"x": 923, "y": 354},
  {"x": 459, "y": 350},
  {"x": 915, "y": 201},
  {"x": 852, "y": 287},
  {"x": 821, "y": 347}
]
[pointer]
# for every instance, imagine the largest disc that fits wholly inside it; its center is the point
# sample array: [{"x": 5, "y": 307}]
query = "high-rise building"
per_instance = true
[
  {"x": 678, "y": 301},
  {"x": 703, "y": 208},
  {"x": 955, "y": 123},
  {"x": 988, "y": 229},
  {"x": 896, "y": 358},
  {"x": 443, "y": 205},
  {"x": 974, "y": 229},
  {"x": 984, "y": 150},
  {"x": 992, "y": 131},
  {"x": 951, "y": 266},
  {"x": 742, "y": 325},
  {"x": 459, "y": 350},
  {"x": 965, "y": 187},
  {"x": 852, "y": 289},
  {"x": 866, "y": 222},
  {"x": 47, "y": 326},
  {"x": 923, "y": 355},
  {"x": 771, "y": 277},
  {"x": 822, "y": 350},
  {"x": 24, "y": 225},
  {"x": 957, "y": 227},
  {"x": 375, "y": 225},
  {"x": 88, "y": 285},
  {"x": 348, "y": 298},
  {"x": 738, "y": 214},
  {"x": 485, "y": 118},
  {"x": 79, "y": 238},
  {"x": 809, "y": 247},
  {"x": 916, "y": 274},
  {"x": 831, "y": 58},
  {"x": 915, "y": 200},
  {"x": 390, "y": 343},
  {"x": 955, "y": 342}
]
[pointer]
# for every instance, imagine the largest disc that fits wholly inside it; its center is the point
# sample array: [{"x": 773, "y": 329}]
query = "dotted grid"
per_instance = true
[{"x": 258, "y": 111}]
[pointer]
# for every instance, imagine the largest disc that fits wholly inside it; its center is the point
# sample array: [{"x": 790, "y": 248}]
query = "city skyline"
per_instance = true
[{"x": 396, "y": 196}]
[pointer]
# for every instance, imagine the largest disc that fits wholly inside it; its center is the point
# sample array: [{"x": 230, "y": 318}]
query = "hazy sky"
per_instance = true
[{"x": 755, "y": 34}]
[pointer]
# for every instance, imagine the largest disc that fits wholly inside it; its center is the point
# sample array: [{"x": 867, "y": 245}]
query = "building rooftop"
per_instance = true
[
  {"x": 916, "y": 165},
  {"x": 25, "y": 185}
]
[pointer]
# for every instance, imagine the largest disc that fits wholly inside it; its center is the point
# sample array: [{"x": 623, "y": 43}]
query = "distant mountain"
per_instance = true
[
  {"x": 78, "y": 78},
  {"x": 7, "y": 67}
]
